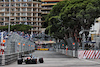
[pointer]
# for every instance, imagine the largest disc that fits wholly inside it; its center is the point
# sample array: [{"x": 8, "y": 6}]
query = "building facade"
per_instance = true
[
  {"x": 47, "y": 5},
  {"x": 26, "y": 12}
]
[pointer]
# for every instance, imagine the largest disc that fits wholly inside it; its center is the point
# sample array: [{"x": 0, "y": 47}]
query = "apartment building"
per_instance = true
[
  {"x": 21, "y": 12},
  {"x": 47, "y": 5}
]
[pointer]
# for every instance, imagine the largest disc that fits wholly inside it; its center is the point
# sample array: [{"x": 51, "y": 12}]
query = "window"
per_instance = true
[
  {"x": 2, "y": 19},
  {"x": 17, "y": 18},
  {"x": 29, "y": 4},
  {"x": 29, "y": 0},
  {"x": 12, "y": 9},
  {"x": 24, "y": 0},
  {"x": 24, "y": 5},
  {"x": 17, "y": 4},
  {"x": 7, "y": 5},
  {"x": 1, "y": 23},
  {"x": 6, "y": 0},
  {"x": 12, "y": 4},
  {"x": 24, "y": 9},
  {"x": 7, "y": 9},
  {"x": 29, "y": 9},
  {"x": 17, "y": 22},
  {"x": 18, "y": 9},
  {"x": 17, "y": 0},
  {"x": 12, "y": 0},
  {"x": 24, "y": 14},
  {"x": 23, "y": 18},
  {"x": 1, "y": 1},
  {"x": 2, "y": 5},
  {"x": 2, "y": 14}
]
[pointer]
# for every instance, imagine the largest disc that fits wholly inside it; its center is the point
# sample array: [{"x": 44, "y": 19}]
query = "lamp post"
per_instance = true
[{"x": 9, "y": 16}]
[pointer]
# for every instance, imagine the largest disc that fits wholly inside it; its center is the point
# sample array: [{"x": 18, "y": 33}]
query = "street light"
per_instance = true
[{"x": 9, "y": 16}]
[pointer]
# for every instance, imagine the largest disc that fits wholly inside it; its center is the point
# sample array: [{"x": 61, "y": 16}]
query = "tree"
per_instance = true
[
  {"x": 73, "y": 15},
  {"x": 52, "y": 20},
  {"x": 19, "y": 27},
  {"x": 82, "y": 12}
]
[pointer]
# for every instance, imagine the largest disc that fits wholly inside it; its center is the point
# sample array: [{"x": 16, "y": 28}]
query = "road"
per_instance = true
[{"x": 54, "y": 59}]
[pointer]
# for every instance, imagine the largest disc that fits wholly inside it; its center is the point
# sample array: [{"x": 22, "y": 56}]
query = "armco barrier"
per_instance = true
[{"x": 6, "y": 59}]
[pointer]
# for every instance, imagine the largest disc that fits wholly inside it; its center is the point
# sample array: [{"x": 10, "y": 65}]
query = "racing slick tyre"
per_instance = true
[
  {"x": 19, "y": 61},
  {"x": 41, "y": 60}
]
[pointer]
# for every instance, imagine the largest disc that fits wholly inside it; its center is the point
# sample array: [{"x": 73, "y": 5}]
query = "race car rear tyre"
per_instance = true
[
  {"x": 41, "y": 60},
  {"x": 19, "y": 61}
]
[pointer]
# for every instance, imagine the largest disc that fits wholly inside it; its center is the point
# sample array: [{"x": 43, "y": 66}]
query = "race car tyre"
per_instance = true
[
  {"x": 19, "y": 61},
  {"x": 41, "y": 60}
]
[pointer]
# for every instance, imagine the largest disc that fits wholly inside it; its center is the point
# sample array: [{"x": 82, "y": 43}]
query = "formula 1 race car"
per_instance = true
[{"x": 29, "y": 59}]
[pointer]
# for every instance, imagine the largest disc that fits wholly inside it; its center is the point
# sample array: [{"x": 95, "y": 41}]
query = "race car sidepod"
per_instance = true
[{"x": 31, "y": 61}]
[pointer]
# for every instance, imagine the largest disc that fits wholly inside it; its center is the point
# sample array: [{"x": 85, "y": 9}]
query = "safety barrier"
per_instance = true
[
  {"x": 15, "y": 43},
  {"x": 89, "y": 54},
  {"x": 43, "y": 49},
  {"x": 13, "y": 47},
  {"x": 6, "y": 59},
  {"x": 70, "y": 53}
]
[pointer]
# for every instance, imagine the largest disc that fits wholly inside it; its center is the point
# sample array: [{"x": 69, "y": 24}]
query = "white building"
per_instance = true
[{"x": 95, "y": 32}]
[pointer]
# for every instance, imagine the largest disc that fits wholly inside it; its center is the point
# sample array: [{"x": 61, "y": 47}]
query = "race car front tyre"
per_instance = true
[{"x": 41, "y": 60}]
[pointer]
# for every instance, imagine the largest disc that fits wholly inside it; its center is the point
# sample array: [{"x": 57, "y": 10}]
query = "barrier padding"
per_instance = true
[{"x": 43, "y": 49}]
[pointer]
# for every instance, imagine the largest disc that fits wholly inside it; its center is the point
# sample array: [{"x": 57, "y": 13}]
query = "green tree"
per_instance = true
[
  {"x": 80, "y": 13},
  {"x": 19, "y": 27},
  {"x": 73, "y": 15}
]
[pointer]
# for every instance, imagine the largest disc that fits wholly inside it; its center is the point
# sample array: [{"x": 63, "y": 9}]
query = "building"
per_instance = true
[
  {"x": 94, "y": 33},
  {"x": 26, "y": 12},
  {"x": 46, "y": 7},
  {"x": 96, "y": 27}
]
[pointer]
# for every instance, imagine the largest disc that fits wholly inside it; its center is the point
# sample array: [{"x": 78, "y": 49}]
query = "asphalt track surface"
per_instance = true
[{"x": 54, "y": 59}]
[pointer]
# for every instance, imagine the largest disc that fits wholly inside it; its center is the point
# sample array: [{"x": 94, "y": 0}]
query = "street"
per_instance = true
[{"x": 54, "y": 59}]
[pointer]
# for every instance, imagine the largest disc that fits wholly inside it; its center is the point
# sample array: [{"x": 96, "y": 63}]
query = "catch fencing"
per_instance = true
[{"x": 13, "y": 46}]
